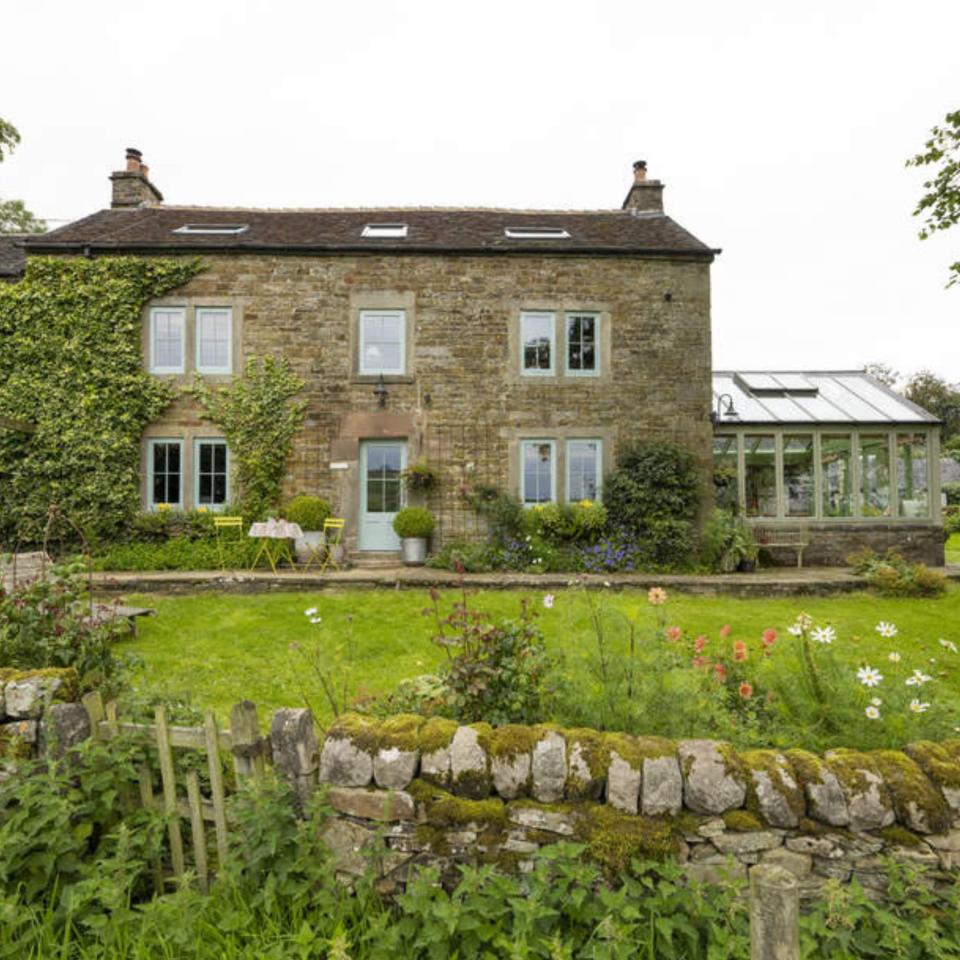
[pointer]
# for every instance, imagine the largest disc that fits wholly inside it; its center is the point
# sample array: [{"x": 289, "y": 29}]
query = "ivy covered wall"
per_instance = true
[{"x": 71, "y": 363}]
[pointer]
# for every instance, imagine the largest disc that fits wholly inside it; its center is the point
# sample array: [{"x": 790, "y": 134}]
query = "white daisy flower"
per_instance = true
[
  {"x": 917, "y": 707},
  {"x": 869, "y": 677},
  {"x": 918, "y": 679},
  {"x": 316, "y": 619},
  {"x": 886, "y": 629},
  {"x": 872, "y": 713},
  {"x": 311, "y": 612},
  {"x": 795, "y": 630},
  {"x": 893, "y": 657},
  {"x": 876, "y": 701},
  {"x": 948, "y": 645},
  {"x": 548, "y": 601},
  {"x": 823, "y": 634}
]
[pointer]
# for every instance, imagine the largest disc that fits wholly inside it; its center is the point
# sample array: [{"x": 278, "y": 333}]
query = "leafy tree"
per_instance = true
[
  {"x": 940, "y": 398},
  {"x": 882, "y": 372},
  {"x": 14, "y": 216},
  {"x": 940, "y": 205}
]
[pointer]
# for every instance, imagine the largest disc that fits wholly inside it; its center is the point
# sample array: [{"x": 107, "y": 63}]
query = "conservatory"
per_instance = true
[{"x": 836, "y": 453}]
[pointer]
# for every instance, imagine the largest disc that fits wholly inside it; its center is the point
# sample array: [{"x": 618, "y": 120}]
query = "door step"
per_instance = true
[{"x": 376, "y": 559}]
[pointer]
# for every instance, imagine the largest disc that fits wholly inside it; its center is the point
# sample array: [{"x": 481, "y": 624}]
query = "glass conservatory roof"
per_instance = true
[{"x": 811, "y": 397}]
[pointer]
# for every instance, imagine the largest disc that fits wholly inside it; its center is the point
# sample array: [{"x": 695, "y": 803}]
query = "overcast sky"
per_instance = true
[{"x": 779, "y": 129}]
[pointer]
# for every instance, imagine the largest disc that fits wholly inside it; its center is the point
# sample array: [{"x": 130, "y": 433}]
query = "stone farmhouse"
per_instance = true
[{"x": 510, "y": 348}]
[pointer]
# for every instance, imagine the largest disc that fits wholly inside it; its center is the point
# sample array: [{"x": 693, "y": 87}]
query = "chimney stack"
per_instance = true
[
  {"x": 645, "y": 196},
  {"x": 132, "y": 187}
]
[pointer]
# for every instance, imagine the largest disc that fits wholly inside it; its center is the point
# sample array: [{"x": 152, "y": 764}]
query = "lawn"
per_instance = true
[
  {"x": 953, "y": 549},
  {"x": 217, "y": 649}
]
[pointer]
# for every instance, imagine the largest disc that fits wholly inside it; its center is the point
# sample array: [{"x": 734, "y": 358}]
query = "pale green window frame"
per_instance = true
[
  {"x": 598, "y": 468},
  {"x": 597, "y": 348},
  {"x": 152, "y": 444},
  {"x": 539, "y": 315},
  {"x": 524, "y": 446},
  {"x": 197, "y": 463}
]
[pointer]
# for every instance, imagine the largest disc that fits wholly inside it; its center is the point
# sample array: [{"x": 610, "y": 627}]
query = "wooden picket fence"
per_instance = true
[{"x": 251, "y": 753}]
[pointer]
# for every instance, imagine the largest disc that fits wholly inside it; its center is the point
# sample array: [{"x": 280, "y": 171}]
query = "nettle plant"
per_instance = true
[{"x": 72, "y": 366}]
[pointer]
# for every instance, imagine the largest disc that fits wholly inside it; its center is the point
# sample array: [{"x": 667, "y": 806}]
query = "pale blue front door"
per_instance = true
[{"x": 381, "y": 492}]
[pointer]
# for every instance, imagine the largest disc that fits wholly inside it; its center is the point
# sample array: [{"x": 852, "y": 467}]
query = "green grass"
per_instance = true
[
  {"x": 953, "y": 549},
  {"x": 221, "y": 648}
]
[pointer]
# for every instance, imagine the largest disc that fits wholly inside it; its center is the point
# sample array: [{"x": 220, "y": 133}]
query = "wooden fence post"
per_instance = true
[
  {"x": 169, "y": 791},
  {"x": 247, "y": 744},
  {"x": 93, "y": 704},
  {"x": 212, "y": 738},
  {"x": 774, "y": 913}
]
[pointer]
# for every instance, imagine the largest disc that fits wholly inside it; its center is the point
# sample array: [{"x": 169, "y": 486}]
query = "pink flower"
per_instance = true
[
  {"x": 746, "y": 690},
  {"x": 656, "y": 596},
  {"x": 726, "y": 630},
  {"x": 674, "y": 633},
  {"x": 699, "y": 643},
  {"x": 721, "y": 671},
  {"x": 739, "y": 650},
  {"x": 769, "y": 637}
]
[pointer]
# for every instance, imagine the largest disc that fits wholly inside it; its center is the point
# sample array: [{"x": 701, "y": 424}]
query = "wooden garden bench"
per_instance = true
[{"x": 793, "y": 536}]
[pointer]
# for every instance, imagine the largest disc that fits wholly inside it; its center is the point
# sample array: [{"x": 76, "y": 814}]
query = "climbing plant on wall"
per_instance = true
[
  {"x": 71, "y": 363},
  {"x": 259, "y": 417}
]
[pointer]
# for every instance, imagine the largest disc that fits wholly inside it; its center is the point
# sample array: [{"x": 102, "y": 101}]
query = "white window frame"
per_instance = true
[
  {"x": 152, "y": 333},
  {"x": 151, "y": 443},
  {"x": 553, "y": 470},
  {"x": 536, "y": 233},
  {"x": 598, "y": 466},
  {"x": 198, "y": 315},
  {"x": 197, "y": 443},
  {"x": 551, "y": 371},
  {"x": 385, "y": 230},
  {"x": 595, "y": 372},
  {"x": 402, "y": 316}
]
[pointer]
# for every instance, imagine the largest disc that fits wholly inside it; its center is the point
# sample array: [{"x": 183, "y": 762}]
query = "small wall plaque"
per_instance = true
[{"x": 339, "y": 465}]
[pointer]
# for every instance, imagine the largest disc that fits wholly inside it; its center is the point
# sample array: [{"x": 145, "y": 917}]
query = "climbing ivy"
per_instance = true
[
  {"x": 259, "y": 417},
  {"x": 71, "y": 363}
]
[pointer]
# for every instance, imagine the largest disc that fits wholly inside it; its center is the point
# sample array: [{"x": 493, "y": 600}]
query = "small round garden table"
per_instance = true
[{"x": 274, "y": 537}]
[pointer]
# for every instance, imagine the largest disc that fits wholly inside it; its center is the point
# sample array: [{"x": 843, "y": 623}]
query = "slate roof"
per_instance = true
[
  {"x": 813, "y": 397},
  {"x": 430, "y": 230},
  {"x": 12, "y": 257}
]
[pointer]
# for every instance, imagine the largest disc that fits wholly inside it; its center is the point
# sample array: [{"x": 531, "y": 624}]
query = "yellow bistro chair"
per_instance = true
[
  {"x": 222, "y": 524},
  {"x": 332, "y": 535}
]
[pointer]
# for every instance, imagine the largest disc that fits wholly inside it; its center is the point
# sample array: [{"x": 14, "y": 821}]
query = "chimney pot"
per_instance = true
[
  {"x": 645, "y": 196},
  {"x": 132, "y": 186}
]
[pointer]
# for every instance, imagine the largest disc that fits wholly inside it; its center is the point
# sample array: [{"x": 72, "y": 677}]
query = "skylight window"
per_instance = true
[
  {"x": 216, "y": 228},
  {"x": 536, "y": 233},
  {"x": 385, "y": 230}
]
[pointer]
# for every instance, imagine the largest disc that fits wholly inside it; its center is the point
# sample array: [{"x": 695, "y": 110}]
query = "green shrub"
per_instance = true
[
  {"x": 655, "y": 493},
  {"x": 952, "y": 493},
  {"x": 307, "y": 511},
  {"x": 725, "y": 541},
  {"x": 178, "y": 553},
  {"x": 464, "y": 555},
  {"x": 421, "y": 476},
  {"x": 413, "y": 522},
  {"x": 561, "y": 523},
  {"x": 951, "y": 521},
  {"x": 157, "y": 525},
  {"x": 504, "y": 513},
  {"x": 892, "y": 576}
]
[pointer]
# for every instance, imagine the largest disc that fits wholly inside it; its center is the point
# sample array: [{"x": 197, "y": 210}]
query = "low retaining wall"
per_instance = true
[
  {"x": 39, "y": 713},
  {"x": 832, "y": 543},
  {"x": 408, "y": 792}
]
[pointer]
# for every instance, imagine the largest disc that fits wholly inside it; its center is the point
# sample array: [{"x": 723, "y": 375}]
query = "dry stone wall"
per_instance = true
[
  {"x": 409, "y": 791},
  {"x": 39, "y": 714}
]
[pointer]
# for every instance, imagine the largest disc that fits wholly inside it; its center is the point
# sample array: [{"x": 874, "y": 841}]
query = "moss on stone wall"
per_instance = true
[
  {"x": 400, "y": 732},
  {"x": 910, "y": 787},
  {"x": 940, "y": 761},
  {"x": 769, "y": 762},
  {"x": 361, "y": 731},
  {"x": 436, "y": 734},
  {"x": 508, "y": 742},
  {"x": 614, "y": 839},
  {"x": 67, "y": 692}
]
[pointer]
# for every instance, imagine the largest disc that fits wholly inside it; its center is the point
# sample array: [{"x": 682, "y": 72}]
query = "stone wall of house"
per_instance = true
[
  {"x": 832, "y": 543},
  {"x": 464, "y": 404},
  {"x": 39, "y": 713},
  {"x": 409, "y": 792}
]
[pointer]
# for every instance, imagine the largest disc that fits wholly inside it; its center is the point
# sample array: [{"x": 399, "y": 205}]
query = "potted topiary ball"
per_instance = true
[
  {"x": 308, "y": 513},
  {"x": 413, "y": 525}
]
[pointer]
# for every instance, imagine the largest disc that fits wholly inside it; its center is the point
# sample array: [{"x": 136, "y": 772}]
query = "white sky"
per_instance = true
[{"x": 779, "y": 129}]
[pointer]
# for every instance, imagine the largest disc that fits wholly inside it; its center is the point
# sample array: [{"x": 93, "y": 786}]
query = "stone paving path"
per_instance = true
[{"x": 778, "y": 581}]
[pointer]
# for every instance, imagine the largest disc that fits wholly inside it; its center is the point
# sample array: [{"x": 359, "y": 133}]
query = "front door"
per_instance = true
[{"x": 381, "y": 492}]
